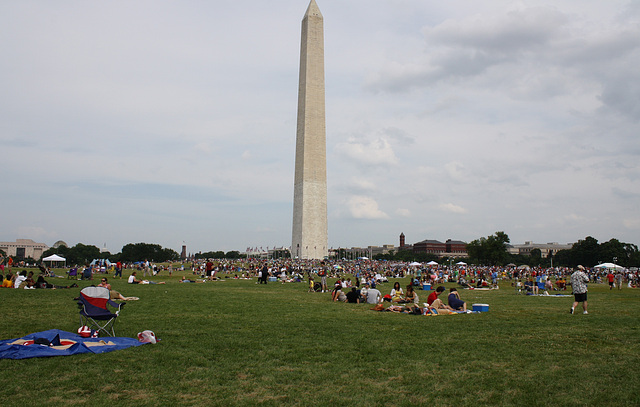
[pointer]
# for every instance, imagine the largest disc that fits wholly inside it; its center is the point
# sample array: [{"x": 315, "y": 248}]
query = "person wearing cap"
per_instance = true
[{"x": 579, "y": 280}]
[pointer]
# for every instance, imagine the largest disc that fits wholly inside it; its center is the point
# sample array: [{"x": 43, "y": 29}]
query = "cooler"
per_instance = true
[{"x": 481, "y": 307}]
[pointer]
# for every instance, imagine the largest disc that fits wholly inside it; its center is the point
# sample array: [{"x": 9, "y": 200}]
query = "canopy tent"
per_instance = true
[
  {"x": 101, "y": 262},
  {"x": 461, "y": 263},
  {"x": 54, "y": 257},
  {"x": 415, "y": 263},
  {"x": 608, "y": 266},
  {"x": 432, "y": 263}
]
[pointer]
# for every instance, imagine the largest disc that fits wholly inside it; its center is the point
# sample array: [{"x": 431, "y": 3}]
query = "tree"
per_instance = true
[
  {"x": 585, "y": 252},
  {"x": 535, "y": 256},
  {"x": 146, "y": 251},
  {"x": 491, "y": 250},
  {"x": 78, "y": 254}
]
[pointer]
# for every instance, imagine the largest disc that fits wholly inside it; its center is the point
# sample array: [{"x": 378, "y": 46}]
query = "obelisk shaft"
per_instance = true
[{"x": 310, "y": 186}]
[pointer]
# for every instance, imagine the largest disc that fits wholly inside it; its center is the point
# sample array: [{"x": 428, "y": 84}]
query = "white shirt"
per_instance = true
[{"x": 19, "y": 280}]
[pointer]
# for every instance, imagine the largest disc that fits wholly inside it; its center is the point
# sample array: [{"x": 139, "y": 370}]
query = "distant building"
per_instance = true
[
  {"x": 23, "y": 249},
  {"x": 60, "y": 243},
  {"x": 450, "y": 248},
  {"x": 183, "y": 254},
  {"x": 429, "y": 246},
  {"x": 546, "y": 249}
]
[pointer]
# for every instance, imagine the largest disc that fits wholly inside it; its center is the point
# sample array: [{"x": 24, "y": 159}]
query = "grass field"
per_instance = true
[{"x": 236, "y": 343}]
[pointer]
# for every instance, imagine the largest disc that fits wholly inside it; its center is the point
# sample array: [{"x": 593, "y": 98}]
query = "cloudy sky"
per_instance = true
[{"x": 168, "y": 122}]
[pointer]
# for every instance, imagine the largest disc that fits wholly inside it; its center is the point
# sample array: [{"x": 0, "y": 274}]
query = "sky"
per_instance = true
[{"x": 174, "y": 122}]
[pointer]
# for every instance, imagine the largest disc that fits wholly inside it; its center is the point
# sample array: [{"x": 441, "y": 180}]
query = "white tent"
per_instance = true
[
  {"x": 432, "y": 263},
  {"x": 54, "y": 257},
  {"x": 461, "y": 263},
  {"x": 415, "y": 263},
  {"x": 609, "y": 266}
]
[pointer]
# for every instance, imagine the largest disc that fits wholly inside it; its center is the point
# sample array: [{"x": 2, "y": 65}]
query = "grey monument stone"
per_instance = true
[{"x": 309, "y": 238}]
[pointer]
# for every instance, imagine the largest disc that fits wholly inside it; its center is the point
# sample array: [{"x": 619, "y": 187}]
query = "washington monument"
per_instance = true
[{"x": 310, "y": 186}]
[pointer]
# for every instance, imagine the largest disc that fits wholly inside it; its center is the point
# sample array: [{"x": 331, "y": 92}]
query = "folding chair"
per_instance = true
[{"x": 94, "y": 312}]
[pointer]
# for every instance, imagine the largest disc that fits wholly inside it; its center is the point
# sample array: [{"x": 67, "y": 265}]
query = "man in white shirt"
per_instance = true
[{"x": 374, "y": 296}]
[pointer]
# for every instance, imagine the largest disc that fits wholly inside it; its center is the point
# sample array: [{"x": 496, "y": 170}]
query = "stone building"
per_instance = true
[{"x": 24, "y": 248}]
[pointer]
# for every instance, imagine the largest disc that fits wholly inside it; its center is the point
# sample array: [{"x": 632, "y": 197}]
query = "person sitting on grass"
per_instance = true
[
  {"x": 411, "y": 296},
  {"x": 455, "y": 302},
  {"x": 397, "y": 295},
  {"x": 374, "y": 296},
  {"x": 337, "y": 294},
  {"x": 24, "y": 281},
  {"x": 133, "y": 279},
  {"x": 6, "y": 283},
  {"x": 434, "y": 302},
  {"x": 353, "y": 296}
]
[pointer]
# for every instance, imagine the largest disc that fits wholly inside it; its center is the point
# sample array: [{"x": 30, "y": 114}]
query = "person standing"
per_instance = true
[
  {"x": 118, "y": 269},
  {"x": 610, "y": 278},
  {"x": 209, "y": 269},
  {"x": 322, "y": 272},
  {"x": 147, "y": 269},
  {"x": 265, "y": 274},
  {"x": 579, "y": 280}
]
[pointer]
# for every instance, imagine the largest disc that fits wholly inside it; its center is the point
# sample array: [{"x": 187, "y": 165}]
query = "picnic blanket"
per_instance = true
[{"x": 55, "y": 342}]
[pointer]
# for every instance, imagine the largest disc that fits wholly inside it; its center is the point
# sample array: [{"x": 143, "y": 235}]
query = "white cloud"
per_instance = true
[
  {"x": 449, "y": 207},
  {"x": 375, "y": 152},
  {"x": 364, "y": 207}
]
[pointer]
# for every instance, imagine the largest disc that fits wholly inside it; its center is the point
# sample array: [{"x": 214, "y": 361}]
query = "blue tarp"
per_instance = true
[{"x": 60, "y": 343}]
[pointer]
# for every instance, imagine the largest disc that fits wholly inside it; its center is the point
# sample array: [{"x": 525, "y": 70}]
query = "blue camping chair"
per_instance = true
[{"x": 94, "y": 312}]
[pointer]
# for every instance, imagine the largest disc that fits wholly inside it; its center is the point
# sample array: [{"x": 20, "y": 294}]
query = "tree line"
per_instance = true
[{"x": 493, "y": 250}]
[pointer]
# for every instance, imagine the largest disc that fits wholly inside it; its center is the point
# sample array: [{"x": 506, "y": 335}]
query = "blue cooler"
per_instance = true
[
  {"x": 426, "y": 287},
  {"x": 273, "y": 279},
  {"x": 481, "y": 307}
]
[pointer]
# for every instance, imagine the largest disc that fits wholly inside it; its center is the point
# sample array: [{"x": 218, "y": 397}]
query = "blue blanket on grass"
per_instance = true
[{"x": 55, "y": 342}]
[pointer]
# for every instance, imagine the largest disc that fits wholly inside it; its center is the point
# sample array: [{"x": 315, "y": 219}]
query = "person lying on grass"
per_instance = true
[
  {"x": 42, "y": 283},
  {"x": 133, "y": 280},
  {"x": 455, "y": 302},
  {"x": 113, "y": 294},
  {"x": 184, "y": 280}
]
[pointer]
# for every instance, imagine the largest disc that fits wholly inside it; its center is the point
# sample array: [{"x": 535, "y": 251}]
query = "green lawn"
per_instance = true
[{"x": 234, "y": 342}]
